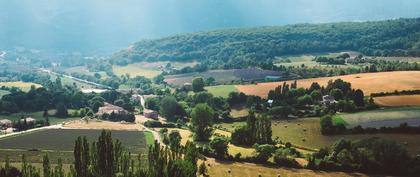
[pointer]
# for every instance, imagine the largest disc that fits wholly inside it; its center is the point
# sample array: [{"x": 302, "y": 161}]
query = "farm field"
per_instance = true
[
  {"x": 60, "y": 143},
  {"x": 388, "y": 117},
  {"x": 398, "y": 100},
  {"x": 148, "y": 69},
  {"x": 38, "y": 116},
  {"x": 221, "y": 90},
  {"x": 223, "y": 76},
  {"x": 368, "y": 82},
  {"x": 305, "y": 132},
  {"x": 24, "y": 86}
]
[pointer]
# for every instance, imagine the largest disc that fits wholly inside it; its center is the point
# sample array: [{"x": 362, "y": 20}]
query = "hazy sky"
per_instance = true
[{"x": 113, "y": 24}]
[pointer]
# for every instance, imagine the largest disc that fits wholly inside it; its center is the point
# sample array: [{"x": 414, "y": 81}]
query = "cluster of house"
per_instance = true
[{"x": 6, "y": 125}]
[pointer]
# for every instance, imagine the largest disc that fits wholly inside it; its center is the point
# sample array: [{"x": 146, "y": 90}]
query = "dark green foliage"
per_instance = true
[
  {"x": 264, "y": 152},
  {"x": 246, "y": 47},
  {"x": 61, "y": 110},
  {"x": 201, "y": 122},
  {"x": 257, "y": 130},
  {"x": 198, "y": 84},
  {"x": 171, "y": 109},
  {"x": 152, "y": 103},
  {"x": 220, "y": 146},
  {"x": 174, "y": 139},
  {"x": 373, "y": 155}
]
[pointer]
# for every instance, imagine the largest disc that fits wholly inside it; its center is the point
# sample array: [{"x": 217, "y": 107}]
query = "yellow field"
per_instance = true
[
  {"x": 25, "y": 86},
  {"x": 398, "y": 100},
  {"x": 368, "y": 82}
]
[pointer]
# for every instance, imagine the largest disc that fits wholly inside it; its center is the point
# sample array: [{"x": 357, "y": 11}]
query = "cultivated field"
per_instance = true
[
  {"x": 148, "y": 69},
  {"x": 306, "y": 133},
  {"x": 223, "y": 76},
  {"x": 307, "y": 60},
  {"x": 368, "y": 82},
  {"x": 398, "y": 100},
  {"x": 388, "y": 117},
  {"x": 60, "y": 143},
  {"x": 24, "y": 86},
  {"x": 221, "y": 90}
]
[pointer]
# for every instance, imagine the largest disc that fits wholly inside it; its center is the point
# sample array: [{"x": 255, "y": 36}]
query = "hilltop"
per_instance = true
[{"x": 245, "y": 46}]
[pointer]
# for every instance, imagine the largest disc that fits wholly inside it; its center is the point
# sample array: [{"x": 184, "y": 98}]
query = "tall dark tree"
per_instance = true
[{"x": 201, "y": 122}]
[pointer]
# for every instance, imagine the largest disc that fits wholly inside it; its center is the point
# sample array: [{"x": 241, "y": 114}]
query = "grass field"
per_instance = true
[
  {"x": 223, "y": 76},
  {"x": 389, "y": 117},
  {"x": 306, "y": 132},
  {"x": 221, "y": 90},
  {"x": 24, "y": 86},
  {"x": 38, "y": 116},
  {"x": 60, "y": 143},
  {"x": 148, "y": 69},
  {"x": 368, "y": 82},
  {"x": 398, "y": 100}
]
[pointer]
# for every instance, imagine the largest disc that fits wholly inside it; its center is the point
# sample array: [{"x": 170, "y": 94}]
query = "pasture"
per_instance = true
[
  {"x": 388, "y": 117},
  {"x": 368, "y": 82},
  {"x": 221, "y": 90},
  {"x": 60, "y": 143},
  {"x": 305, "y": 132},
  {"x": 148, "y": 69},
  {"x": 24, "y": 86},
  {"x": 307, "y": 60},
  {"x": 398, "y": 100},
  {"x": 224, "y": 76}
]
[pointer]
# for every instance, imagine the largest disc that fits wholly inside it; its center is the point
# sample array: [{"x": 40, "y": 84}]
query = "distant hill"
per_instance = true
[{"x": 400, "y": 37}]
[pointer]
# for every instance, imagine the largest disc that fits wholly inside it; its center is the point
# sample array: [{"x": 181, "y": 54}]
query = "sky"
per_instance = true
[{"x": 109, "y": 25}]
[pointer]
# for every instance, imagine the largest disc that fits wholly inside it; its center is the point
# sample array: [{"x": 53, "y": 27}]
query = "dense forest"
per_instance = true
[{"x": 247, "y": 46}]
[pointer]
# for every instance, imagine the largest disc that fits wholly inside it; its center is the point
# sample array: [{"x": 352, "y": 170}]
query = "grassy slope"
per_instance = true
[{"x": 221, "y": 90}]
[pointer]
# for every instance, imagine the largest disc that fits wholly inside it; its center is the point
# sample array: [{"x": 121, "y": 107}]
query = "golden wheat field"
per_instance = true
[
  {"x": 368, "y": 82},
  {"x": 398, "y": 100}
]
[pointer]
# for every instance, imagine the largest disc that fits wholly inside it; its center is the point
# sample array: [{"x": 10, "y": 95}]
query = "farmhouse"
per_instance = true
[
  {"x": 150, "y": 114},
  {"x": 109, "y": 108},
  {"x": 328, "y": 99},
  {"x": 5, "y": 123}
]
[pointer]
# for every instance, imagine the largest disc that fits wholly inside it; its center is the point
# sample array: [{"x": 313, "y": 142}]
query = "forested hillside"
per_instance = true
[{"x": 399, "y": 37}]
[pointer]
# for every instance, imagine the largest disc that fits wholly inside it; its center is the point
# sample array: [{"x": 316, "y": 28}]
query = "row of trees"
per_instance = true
[
  {"x": 257, "y": 130},
  {"x": 108, "y": 158}
]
